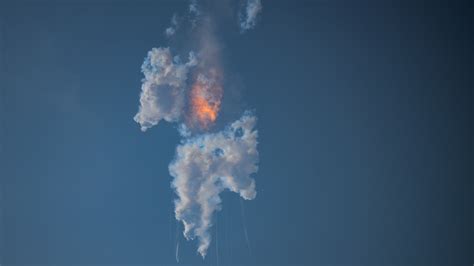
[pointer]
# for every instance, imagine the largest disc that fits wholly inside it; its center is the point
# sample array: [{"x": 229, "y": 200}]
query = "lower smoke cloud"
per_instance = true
[{"x": 205, "y": 166}]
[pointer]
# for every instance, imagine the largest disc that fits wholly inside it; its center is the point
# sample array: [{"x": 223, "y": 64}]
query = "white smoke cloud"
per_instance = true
[
  {"x": 205, "y": 166},
  {"x": 163, "y": 88},
  {"x": 171, "y": 30},
  {"x": 248, "y": 19}
]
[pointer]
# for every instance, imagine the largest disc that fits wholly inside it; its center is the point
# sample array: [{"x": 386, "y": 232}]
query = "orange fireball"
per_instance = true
[{"x": 205, "y": 101}]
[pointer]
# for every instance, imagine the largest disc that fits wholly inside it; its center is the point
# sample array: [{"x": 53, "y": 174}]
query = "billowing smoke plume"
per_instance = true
[
  {"x": 205, "y": 166},
  {"x": 163, "y": 89},
  {"x": 248, "y": 18},
  {"x": 189, "y": 93}
]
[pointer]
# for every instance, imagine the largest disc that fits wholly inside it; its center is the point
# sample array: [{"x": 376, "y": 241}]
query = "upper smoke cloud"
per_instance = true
[
  {"x": 205, "y": 166},
  {"x": 248, "y": 19},
  {"x": 163, "y": 87}
]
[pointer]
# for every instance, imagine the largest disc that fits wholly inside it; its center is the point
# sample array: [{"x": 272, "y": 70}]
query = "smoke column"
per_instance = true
[{"x": 189, "y": 92}]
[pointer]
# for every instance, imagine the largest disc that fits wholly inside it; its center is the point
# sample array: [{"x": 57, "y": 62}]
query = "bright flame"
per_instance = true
[
  {"x": 205, "y": 111},
  {"x": 206, "y": 96}
]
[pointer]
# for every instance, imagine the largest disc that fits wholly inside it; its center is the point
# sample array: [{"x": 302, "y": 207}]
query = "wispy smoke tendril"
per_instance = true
[
  {"x": 171, "y": 30},
  {"x": 248, "y": 19}
]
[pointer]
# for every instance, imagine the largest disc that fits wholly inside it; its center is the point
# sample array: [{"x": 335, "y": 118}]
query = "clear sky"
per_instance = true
[{"x": 365, "y": 135}]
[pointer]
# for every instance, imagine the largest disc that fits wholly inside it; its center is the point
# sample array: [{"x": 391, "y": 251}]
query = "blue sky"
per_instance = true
[{"x": 365, "y": 136}]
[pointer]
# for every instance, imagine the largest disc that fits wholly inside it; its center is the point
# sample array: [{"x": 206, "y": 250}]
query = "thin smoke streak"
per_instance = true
[
  {"x": 177, "y": 252},
  {"x": 226, "y": 247},
  {"x": 3, "y": 124},
  {"x": 217, "y": 239},
  {"x": 230, "y": 242},
  {"x": 177, "y": 242},
  {"x": 245, "y": 226},
  {"x": 170, "y": 225}
]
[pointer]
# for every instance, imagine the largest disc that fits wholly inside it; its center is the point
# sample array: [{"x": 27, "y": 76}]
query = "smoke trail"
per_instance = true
[
  {"x": 217, "y": 240},
  {"x": 177, "y": 252},
  {"x": 169, "y": 228},
  {"x": 244, "y": 224},
  {"x": 177, "y": 244},
  {"x": 248, "y": 19},
  {"x": 207, "y": 161}
]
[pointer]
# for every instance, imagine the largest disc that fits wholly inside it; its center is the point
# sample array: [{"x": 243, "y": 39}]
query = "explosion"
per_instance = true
[
  {"x": 189, "y": 93},
  {"x": 205, "y": 101}
]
